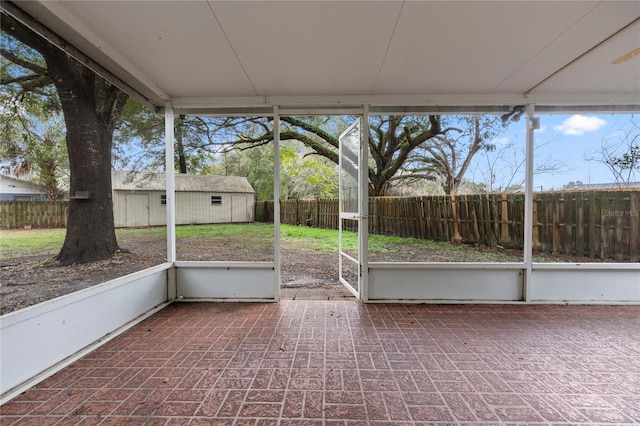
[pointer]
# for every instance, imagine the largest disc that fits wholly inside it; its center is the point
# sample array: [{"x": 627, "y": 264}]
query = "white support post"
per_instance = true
[
  {"x": 363, "y": 223},
  {"x": 170, "y": 183},
  {"x": 276, "y": 199},
  {"x": 528, "y": 201}
]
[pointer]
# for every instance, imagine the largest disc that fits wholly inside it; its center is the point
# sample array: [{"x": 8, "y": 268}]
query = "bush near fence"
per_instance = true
[
  {"x": 33, "y": 214},
  {"x": 602, "y": 224}
]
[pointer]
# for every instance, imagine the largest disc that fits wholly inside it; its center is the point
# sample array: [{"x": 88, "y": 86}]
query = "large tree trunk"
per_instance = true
[
  {"x": 90, "y": 230},
  {"x": 88, "y": 102}
]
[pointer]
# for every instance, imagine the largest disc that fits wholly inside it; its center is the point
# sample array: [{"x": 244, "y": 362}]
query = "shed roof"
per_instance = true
[
  {"x": 12, "y": 184},
  {"x": 247, "y": 54},
  {"x": 144, "y": 181}
]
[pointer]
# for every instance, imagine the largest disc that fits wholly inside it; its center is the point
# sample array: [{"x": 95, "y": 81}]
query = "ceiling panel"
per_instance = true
[
  {"x": 169, "y": 49},
  {"x": 600, "y": 23},
  {"x": 178, "y": 45},
  {"x": 288, "y": 48},
  {"x": 597, "y": 73},
  {"x": 472, "y": 47}
]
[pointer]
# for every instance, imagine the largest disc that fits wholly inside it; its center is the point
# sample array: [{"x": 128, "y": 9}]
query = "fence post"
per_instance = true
[
  {"x": 634, "y": 226},
  {"x": 454, "y": 213},
  {"x": 505, "y": 238},
  {"x": 535, "y": 243}
]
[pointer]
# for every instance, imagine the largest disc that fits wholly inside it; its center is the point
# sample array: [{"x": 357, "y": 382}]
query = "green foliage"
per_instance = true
[
  {"x": 35, "y": 147},
  {"x": 139, "y": 140},
  {"x": 32, "y": 132},
  {"x": 304, "y": 175},
  {"x": 301, "y": 175},
  {"x": 404, "y": 150},
  {"x": 255, "y": 164}
]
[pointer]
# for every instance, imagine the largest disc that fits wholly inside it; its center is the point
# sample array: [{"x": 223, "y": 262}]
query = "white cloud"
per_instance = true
[
  {"x": 502, "y": 141},
  {"x": 578, "y": 125}
]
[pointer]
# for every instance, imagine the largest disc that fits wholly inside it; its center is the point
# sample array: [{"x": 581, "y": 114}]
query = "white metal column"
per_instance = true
[
  {"x": 170, "y": 182},
  {"x": 363, "y": 223},
  {"x": 276, "y": 200},
  {"x": 531, "y": 124}
]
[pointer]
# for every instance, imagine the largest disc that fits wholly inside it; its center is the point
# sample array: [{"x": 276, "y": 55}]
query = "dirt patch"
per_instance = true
[{"x": 30, "y": 280}]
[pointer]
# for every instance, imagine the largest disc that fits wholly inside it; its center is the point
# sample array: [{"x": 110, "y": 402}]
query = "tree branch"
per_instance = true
[
  {"x": 8, "y": 55},
  {"x": 26, "y": 36}
]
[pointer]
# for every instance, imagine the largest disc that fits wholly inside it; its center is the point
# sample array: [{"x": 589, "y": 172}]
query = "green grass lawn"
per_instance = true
[{"x": 20, "y": 243}]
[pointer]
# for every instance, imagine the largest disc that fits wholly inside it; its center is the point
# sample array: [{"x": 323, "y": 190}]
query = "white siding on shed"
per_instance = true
[
  {"x": 196, "y": 207},
  {"x": 137, "y": 199},
  {"x": 144, "y": 208},
  {"x": 136, "y": 210}
]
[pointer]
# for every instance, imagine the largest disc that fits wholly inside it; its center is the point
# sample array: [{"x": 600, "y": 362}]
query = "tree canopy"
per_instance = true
[{"x": 402, "y": 149}]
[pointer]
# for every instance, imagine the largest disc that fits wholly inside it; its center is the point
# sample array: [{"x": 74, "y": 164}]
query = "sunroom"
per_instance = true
[{"x": 358, "y": 59}]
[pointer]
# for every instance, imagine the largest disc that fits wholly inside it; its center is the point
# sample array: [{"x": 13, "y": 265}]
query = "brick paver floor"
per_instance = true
[{"x": 311, "y": 362}]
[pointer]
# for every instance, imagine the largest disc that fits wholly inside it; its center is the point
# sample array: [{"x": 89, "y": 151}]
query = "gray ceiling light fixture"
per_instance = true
[{"x": 514, "y": 115}]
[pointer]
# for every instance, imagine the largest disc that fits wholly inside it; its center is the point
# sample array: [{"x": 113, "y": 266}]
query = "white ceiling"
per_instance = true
[{"x": 237, "y": 52}]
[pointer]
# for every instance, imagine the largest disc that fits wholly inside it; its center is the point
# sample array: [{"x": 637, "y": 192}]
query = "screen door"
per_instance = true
[{"x": 350, "y": 208}]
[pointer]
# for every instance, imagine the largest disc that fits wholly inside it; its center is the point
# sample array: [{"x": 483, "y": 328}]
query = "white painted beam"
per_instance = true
[
  {"x": 363, "y": 223},
  {"x": 529, "y": 220},
  {"x": 170, "y": 182},
  {"x": 606, "y": 102},
  {"x": 276, "y": 200}
]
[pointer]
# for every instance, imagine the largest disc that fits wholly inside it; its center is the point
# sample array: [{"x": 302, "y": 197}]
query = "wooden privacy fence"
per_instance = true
[
  {"x": 594, "y": 224},
  {"x": 33, "y": 214}
]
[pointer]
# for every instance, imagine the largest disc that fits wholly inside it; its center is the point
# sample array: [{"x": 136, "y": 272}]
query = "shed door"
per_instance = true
[
  {"x": 239, "y": 208},
  {"x": 136, "y": 210}
]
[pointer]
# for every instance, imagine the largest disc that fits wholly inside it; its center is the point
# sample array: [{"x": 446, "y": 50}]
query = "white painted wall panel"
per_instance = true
[
  {"x": 407, "y": 282},
  {"x": 226, "y": 280},
  {"x": 585, "y": 285},
  {"x": 38, "y": 340}
]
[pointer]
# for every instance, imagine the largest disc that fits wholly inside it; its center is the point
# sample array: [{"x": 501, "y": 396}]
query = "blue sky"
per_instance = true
[{"x": 565, "y": 141}]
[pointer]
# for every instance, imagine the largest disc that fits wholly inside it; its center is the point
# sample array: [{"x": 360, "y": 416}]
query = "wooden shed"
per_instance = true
[{"x": 139, "y": 199}]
